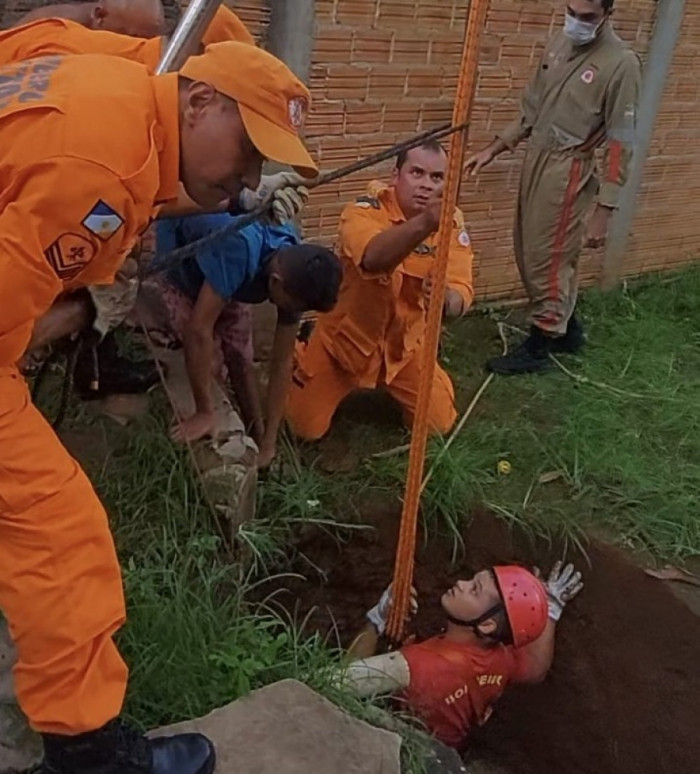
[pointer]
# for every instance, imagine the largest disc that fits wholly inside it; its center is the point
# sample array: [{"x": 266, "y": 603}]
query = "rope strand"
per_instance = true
[{"x": 405, "y": 554}]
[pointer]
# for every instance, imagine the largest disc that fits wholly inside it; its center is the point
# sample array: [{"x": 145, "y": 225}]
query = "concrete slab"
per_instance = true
[{"x": 287, "y": 728}]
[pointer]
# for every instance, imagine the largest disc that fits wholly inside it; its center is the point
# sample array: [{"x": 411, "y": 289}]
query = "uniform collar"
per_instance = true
[
  {"x": 167, "y": 135},
  {"x": 387, "y": 196}
]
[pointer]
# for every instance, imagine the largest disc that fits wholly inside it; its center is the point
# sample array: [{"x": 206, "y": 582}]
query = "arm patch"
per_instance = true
[{"x": 367, "y": 201}]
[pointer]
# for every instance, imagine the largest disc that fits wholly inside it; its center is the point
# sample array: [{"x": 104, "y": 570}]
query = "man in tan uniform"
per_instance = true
[{"x": 583, "y": 94}]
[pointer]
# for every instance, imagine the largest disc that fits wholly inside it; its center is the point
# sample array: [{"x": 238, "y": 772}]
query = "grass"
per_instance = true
[
  {"x": 623, "y": 431},
  {"x": 611, "y": 448}
]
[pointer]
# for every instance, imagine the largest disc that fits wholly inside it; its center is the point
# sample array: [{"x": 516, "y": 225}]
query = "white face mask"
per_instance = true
[{"x": 580, "y": 32}]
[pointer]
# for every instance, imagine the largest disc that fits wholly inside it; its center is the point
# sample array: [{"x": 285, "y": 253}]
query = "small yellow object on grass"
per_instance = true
[{"x": 504, "y": 467}]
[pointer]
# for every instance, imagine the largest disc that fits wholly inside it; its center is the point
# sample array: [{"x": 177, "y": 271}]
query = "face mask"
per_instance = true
[{"x": 580, "y": 32}]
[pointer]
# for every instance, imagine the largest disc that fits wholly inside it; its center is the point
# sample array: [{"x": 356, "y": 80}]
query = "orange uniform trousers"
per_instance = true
[
  {"x": 319, "y": 385},
  {"x": 60, "y": 582}
]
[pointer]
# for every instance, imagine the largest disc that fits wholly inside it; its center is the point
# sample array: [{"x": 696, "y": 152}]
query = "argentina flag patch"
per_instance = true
[{"x": 103, "y": 221}]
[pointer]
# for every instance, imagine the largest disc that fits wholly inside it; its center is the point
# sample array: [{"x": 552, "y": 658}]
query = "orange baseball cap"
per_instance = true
[{"x": 273, "y": 102}]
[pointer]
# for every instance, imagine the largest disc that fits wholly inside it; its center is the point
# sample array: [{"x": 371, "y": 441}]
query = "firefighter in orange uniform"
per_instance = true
[
  {"x": 100, "y": 28},
  {"x": 373, "y": 337},
  {"x": 66, "y": 33},
  {"x": 90, "y": 147}
]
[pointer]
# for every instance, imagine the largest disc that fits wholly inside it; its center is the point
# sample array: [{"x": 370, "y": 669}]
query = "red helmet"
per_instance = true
[{"x": 525, "y": 601}]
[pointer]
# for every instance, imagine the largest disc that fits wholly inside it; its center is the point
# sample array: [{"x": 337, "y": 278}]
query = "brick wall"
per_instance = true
[
  {"x": 381, "y": 71},
  {"x": 385, "y": 69},
  {"x": 255, "y": 14}
]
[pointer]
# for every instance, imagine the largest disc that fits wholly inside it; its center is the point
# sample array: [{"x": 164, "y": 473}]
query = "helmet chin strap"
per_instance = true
[{"x": 474, "y": 623}]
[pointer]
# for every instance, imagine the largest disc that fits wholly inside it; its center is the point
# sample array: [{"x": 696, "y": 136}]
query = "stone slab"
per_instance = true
[{"x": 287, "y": 728}]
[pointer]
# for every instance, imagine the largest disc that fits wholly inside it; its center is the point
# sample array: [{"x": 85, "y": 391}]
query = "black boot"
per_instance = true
[
  {"x": 119, "y": 749},
  {"x": 573, "y": 340},
  {"x": 530, "y": 357},
  {"x": 100, "y": 371}
]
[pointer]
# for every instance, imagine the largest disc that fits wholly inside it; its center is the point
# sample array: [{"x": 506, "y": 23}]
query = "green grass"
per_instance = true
[
  {"x": 611, "y": 448},
  {"x": 623, "y": 431},
  {"x": 626, "y": 441}
]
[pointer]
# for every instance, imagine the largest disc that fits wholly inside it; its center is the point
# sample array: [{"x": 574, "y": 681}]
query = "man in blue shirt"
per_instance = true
[{"x": 207, "y": 296}]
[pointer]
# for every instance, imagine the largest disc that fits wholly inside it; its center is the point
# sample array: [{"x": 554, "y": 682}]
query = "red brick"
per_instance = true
[
  {"x": 387, "y": 83},
  {"x": 372, "y": 46}
]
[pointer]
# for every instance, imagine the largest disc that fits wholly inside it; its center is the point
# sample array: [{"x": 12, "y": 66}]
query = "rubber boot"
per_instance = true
[
  {"x": 572, "y": 341},
  {"x": 531, "y": 356},
  {"x": 118, "y": 749},
  {"x": 100, "y": 371}
]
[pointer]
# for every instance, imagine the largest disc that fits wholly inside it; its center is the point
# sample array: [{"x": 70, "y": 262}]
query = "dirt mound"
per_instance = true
[{"x": 624, "y": 692}]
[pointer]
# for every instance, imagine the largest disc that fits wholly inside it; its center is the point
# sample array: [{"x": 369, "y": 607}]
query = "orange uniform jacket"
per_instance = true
[
  {"x": 89, "y": 149},
  {"x": 379, "y": 321},
  {"x": 454, "y": 686},
  {"x": 60, "y": 36}
]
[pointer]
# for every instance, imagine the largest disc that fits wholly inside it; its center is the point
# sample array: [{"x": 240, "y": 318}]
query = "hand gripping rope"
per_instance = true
[{"x": 166, "y": 260}]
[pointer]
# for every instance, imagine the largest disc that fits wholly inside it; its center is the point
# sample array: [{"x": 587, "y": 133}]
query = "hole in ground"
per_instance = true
[{"x": 624, "y": 692}]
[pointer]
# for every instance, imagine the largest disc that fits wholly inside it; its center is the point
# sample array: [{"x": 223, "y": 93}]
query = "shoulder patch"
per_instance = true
[
  {"x": 423, "y": 249},
  {"x": 103, "y": 221},
  {"x": 463, "y": 238},
  {"x": 69, "y": 255},
  {"x": 588, "y": 75},
  {"x": 367, "y": 202}
]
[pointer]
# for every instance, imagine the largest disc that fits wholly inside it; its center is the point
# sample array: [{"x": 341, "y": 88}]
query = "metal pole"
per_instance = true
[
  {"x": 669, "y": 18},
  {"x": 188, "y": 34},
  {"x": 290, "y": 35}
]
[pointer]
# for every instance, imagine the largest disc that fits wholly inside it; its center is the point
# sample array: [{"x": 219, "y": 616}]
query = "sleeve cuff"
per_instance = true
[
  {"x": 465, "y": 293},
  {"x": 609, "y": 195},
  {"x": 512, "y": 134}
]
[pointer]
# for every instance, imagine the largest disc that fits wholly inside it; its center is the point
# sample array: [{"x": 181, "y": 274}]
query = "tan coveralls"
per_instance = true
[{"x": 578, "y": 98}]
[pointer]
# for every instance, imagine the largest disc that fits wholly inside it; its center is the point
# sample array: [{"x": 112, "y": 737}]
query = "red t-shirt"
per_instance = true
[{"x": 454, "y": 686}]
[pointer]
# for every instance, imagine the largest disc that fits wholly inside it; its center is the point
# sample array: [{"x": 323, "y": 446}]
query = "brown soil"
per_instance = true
[{"x": 624, "y": 692}]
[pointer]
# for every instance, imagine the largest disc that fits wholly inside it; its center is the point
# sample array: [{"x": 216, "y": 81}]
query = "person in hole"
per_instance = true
[{"x": 500, "y": 628}]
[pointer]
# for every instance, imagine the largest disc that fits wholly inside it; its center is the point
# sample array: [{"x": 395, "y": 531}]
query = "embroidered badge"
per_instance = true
[
  {"x": 423, "y": 249},
  {"x": 367, "y": 201},
  {"x": 588, "y": 75},
  {"x": 464, "y": 239},
  {"x": 297, "y": 112},
  {"x": 103, "y": 221},
  {"x": 69, "y": 255}
]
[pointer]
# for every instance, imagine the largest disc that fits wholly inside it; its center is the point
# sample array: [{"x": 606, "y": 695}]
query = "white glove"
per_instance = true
[
  {"x": 288, "y": 202},
  {"x": 378, "y": 616},
  {"x": 284, "y": 192},
  {"x": 562, "y": 586}
]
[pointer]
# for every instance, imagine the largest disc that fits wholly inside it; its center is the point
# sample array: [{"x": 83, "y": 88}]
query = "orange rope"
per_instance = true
[{"x": 405, "y": 552}]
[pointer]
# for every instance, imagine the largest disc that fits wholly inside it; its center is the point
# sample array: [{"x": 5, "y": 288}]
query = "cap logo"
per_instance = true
[{"x": 297, "y": 112}]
